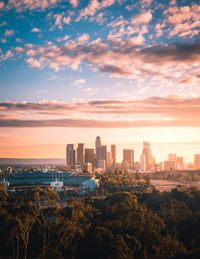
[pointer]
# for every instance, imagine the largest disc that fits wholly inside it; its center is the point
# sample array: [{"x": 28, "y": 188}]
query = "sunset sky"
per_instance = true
[{"x": 125, "y": 70}]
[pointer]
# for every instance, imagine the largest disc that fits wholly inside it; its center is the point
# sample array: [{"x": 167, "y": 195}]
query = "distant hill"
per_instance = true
[{"x": 32, "y": 161}]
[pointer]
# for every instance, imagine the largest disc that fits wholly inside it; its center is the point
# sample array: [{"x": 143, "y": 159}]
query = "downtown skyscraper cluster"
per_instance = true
[{"x": 100, "y": 157}]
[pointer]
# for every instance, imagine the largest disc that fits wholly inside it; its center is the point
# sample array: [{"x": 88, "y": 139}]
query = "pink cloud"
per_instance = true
[
  {"x": 2, "y": 5},
  {"x": 155, "y": 111},
  {"x": 21, "y": 5},
  {"x": 36, "y": 30},
  {"x": 94, "y": 6},
  {"x": 9, "y": 32},
  {"x": 6, "y": 56},
  {"x": 74, "y": 3},
  {"x": 34, "y": 63},
  {"x": 142, "y": 18},
  {"x": 183, "y": 21}
]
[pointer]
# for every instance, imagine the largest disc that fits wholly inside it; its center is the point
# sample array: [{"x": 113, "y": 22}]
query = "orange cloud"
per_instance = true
[
  {"x": 153, "y": 112},
  {"x": 184, "y": 21}
]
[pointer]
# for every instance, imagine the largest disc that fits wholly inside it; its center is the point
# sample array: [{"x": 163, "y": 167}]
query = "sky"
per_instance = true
[{"x": 126, "y": 70}]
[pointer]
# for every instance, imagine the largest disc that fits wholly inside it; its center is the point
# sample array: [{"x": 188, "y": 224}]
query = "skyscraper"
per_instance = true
[
  {"x": 70, "y": 155},
  {"x": 80, "y": 153},
  {"x": 89, "y": 155},
  {"x": 103, "y": 153},
  {"x": 128, "y": 157},
  {"x": 179, "y": 163},
  {"x": 197, "y": 162},
  {"x": 109, "y": 160},
  {"x": 148, "y": 156},
  {"x": 97, "y": 149},
  {"x": 113, "y": 154},
  {"x": 143, "y": 162},
  {"x": 172, "y": 157}
]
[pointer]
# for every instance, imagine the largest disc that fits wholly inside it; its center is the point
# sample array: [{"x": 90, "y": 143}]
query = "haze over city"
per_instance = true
[{"x": 125, "y": 70}]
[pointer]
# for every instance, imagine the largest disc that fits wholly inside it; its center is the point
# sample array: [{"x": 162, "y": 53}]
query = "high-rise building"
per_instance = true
[
  {"x": 197, "y": 161},
  {"x": 128, "y": 157},
  {"x": 70, "y": 155},
  {"x": 103, "y": 153},
  {"x": 109, "y": 160},
  {"x": 97, "y": 149},
  {"x": 89, "y": 155},
  {"x": 179, "y": 163},
  {"x": 113, "y": 154},
  {"x": 172, "y": 157},
  {"x": 80, "y": 153},
  {"x": 143, "y": 162},
  {"x": 149, "y": 159}
]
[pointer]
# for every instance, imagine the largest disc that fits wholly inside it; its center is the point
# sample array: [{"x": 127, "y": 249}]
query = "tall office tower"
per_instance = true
[
  {"x": 70, "y": 155},
  {"x": 109, "y": 160},
  {"x": 113, "y": 154},
  {"x": 80, "y": 153},
  {"x": 103, "y": 153},
  {"x": 197, "y": 162},
  {"x": 143, "y": 162},
  {"x": 97, "y": 149},
  {"x": 179, "y": 163},
  {"x": 150, "y": 161},
  {"x": 128, "y": 157},
  {"x": 89, "y": 155},
  {"x": 172, "y": 157}
]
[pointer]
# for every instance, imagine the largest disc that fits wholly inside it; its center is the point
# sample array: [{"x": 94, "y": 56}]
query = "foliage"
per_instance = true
[{"x": 121, "y": 225}]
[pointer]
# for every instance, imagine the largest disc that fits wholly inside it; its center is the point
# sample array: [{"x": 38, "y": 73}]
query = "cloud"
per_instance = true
[
  {"x": 142, "y": 18},
  {"x": 94, "y": 6},
  {"x": 120, "y": 58},
  {"x": 34, "y": 63},
  {"x": 146, "y": 3},
  {"x": 79, "y": 81},
  {"x": 36, "y": 30},
  {"x": 183, "y": 21},
  {"x": 2, "y": 5},
  {"x": 67, "y": 20},
  {"x": 58, "y": 20},
  {"x": 83, "y": 38},
  {"x": 68, "y": 123},
  {"x": 137, "y": 40},
  {"x": 155, "y": 111},
  {"x": 6, "y": 56},
  {"x": 21, "y": 5},
  {"x": 74, "y": 3},
  {"x": 9, "y": 32},
  {"x": 115, "y": 70},
  {"x": 61, "y": 19}
]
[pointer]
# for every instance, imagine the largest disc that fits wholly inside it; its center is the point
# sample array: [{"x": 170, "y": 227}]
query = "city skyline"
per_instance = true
[
  {"x": 105, "y": 157},
  {"x": 124, "y": 69}
]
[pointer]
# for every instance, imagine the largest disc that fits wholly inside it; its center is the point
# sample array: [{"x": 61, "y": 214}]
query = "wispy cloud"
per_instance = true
[
  {"x": 156, "y": 111},
  {"x": 79, "y": 82}
]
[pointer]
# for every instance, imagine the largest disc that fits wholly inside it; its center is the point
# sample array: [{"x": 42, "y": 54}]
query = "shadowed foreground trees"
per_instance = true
[{"x": 120, "y": 226}]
